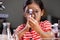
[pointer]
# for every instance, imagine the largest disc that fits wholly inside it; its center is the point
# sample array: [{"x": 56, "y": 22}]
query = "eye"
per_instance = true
[{"x": 36, "y": 11}]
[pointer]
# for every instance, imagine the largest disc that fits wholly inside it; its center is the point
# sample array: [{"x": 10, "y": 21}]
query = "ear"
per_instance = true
[{"x": 42, "y": 13}]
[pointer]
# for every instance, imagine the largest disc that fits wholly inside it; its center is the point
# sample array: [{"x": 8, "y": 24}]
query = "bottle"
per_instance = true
[
  {"x": 8, "y": 31},
  {"x": 4, "y": 32},
  {"x": 4, "y": 29}
]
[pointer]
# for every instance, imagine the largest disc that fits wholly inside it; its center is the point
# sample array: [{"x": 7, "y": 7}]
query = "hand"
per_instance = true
[
  {"x": 33, "y": 23},
  {"x": 23, "y": 31}
]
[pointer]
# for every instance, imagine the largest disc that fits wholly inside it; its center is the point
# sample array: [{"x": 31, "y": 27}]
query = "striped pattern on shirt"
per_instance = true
[{"x": 33, "y": 35}]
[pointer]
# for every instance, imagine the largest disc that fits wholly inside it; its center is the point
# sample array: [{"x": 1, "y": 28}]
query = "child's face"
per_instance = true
[{"x": 36, "y": 11}]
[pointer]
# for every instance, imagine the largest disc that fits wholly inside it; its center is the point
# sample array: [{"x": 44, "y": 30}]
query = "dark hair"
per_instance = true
[{"x": 38, "y": 2}]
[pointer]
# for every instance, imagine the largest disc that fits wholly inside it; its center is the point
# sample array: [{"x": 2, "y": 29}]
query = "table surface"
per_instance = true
[{"x": 5, "y": 37}]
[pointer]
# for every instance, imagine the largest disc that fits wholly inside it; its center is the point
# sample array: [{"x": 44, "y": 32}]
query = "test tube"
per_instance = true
[{"x": 30, "y": 12}]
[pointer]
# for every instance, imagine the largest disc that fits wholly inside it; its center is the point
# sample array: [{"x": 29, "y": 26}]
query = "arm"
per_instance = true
[
  {"x": 35, "y": 25},
  {"x": 20, "y": 32},
  {"x": 45, "y": 35}
]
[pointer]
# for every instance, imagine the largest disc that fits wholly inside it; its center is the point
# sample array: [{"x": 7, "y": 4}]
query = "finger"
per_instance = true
[
  {"x": 32, "y": 20},
  {"x": 27, "y": 24},
  {"x": 32, "y": 25}
]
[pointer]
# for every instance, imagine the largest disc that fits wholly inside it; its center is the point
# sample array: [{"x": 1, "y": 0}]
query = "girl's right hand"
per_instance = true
[{"x": 23, "y": 31}]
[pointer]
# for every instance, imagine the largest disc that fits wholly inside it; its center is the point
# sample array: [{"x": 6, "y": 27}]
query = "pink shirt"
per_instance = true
[{"x": 45, "y": 26}]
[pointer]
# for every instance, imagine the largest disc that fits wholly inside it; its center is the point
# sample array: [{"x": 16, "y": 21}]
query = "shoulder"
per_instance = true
[
  {"x": 20, "y": 27},
  {"x": 46, "y": 25},
  {"x": 46, "y": 22}
]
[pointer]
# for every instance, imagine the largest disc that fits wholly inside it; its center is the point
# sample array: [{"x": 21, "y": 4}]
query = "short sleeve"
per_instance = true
[
  {"x": 46, "y": 26},
  {"x": 20, "y": 27}
]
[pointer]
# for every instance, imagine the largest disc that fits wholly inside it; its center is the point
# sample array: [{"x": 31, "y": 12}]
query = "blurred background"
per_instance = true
[{"x": 14, "y": 10}]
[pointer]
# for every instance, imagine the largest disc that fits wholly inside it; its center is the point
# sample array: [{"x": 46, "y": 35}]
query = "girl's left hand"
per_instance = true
[{"x": 33, "y": 23}]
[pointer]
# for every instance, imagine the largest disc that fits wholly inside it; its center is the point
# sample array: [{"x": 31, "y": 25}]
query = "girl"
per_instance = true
[{"x": 34, "y": 29}]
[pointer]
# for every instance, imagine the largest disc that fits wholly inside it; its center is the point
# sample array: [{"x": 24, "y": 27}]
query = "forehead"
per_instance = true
[{"x": 34, "y": 6}]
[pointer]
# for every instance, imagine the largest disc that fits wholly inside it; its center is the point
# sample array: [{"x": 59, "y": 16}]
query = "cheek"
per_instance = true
[
  {"x": 38, "y": 17},
  {"x": 38, "y": 14}
]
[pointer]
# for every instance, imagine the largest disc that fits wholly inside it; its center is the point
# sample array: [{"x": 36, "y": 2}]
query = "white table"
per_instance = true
[{"x": 5, "y": 37}]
